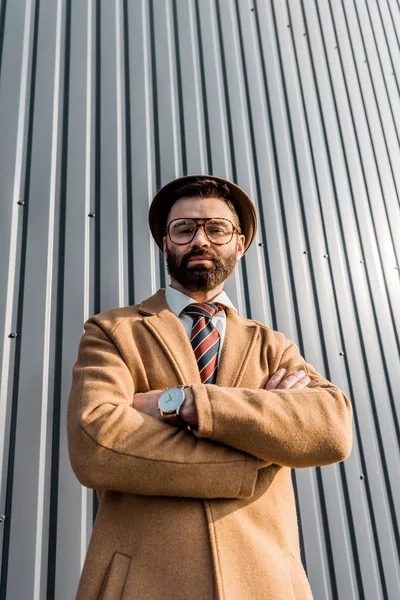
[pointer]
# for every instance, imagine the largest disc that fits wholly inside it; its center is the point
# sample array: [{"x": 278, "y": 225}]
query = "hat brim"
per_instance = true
[{"x": 164, "y": 199}]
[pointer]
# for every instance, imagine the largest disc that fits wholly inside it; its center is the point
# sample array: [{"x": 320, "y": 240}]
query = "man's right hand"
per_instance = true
[
  {"x": 296, "y": 381},
  {"x": 278, "y": 381}
]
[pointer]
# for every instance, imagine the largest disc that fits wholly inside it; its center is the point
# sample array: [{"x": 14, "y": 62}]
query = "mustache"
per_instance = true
[{"x": 198, "y": 254}]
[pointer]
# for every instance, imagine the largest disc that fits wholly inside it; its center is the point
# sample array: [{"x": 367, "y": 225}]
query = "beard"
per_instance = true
[{"x": 200, "y": 278}]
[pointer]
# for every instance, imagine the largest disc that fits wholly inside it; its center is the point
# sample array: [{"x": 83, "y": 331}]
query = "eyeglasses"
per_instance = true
[{"x": 217, "y": 230}]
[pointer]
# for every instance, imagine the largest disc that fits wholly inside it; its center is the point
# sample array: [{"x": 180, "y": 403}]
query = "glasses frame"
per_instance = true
[{"x": 202, "y": 225}]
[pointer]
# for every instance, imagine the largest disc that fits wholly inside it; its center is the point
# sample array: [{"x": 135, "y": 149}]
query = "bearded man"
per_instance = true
[{"x": 187, "y": 419}]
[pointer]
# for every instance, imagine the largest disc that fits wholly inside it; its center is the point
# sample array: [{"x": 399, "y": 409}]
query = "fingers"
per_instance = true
[
  {"x": 275, "y": 380},
  {"x": 301, "y": 384},
  {"x": 294, "y": 381}
]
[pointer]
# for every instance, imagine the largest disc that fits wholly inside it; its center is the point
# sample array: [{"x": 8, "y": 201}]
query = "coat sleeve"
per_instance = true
[
  {"x": 115, "y": 447},
  {"x": 293, "y": 428}
]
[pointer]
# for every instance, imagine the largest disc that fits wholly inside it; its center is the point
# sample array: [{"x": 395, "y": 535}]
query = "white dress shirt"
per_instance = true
[{"x": 177, "y": 302}]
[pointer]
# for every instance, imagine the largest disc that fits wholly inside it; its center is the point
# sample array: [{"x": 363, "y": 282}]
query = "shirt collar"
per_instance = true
[{"x": 177, "y": 301}]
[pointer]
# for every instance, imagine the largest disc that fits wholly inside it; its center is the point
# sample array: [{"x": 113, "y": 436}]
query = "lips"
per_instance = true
[{"x": 200, "y": 259}]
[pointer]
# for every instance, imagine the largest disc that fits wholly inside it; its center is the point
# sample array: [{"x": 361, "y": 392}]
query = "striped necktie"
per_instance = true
[{"x": 205, "y": 339}]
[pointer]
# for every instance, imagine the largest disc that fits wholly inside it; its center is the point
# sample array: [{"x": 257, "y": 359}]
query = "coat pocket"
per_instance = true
[
  {"x": 300, "y": 584},
  {"x": 115, "y": 578}
]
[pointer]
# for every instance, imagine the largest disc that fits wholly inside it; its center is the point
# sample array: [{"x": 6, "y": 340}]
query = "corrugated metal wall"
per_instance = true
[{"x": 103, "y": 102}]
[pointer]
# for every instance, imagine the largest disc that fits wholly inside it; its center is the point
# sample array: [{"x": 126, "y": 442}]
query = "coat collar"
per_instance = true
[{"x": 170, "y": 334}]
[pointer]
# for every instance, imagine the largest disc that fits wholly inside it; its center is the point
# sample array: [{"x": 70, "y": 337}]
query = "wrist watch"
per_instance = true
[{"x": 170, "y": 403}]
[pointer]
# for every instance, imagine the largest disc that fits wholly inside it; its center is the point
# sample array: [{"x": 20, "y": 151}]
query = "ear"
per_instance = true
[
  {"x": 164, "y": 243},
  {"x": 240, "y": 246}
]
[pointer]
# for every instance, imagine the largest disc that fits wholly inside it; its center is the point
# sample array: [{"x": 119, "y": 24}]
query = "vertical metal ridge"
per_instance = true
[
  {"x": 393, "y": 24},
  {"x": 313, "y": 293},
  {"x": 364, "y": 181},
  {"x": 121, "y": 195},
  {"x": 155, "y": 92},
  {"x": 327, "y": 535},
  {"x": 3, "y": 7},
  {"x": 377, "y": 172},
  {"x": 19, "y": 300},
  {"x": 208, "y": 150},
  {"x": 372, "y": 82},
  {"x": 90, "y": 173},
  {"x": 56, "y": 103},
  {"x": 377, "y": 423},
  {"x": 151, "y": 142},
  {"x": 18, "y": 195},
  {"x": 225, "y": 91},
  {"x": 263, "y": 273},
  {"x": 380, "y": 64},
  {"x": 214, "y": 90},
  {"x": 199, "y": 91},
  {"x": 89, "y": 502},
  {"x": 295, "y": 175},
  {"x": 295, "y": 249},
  {"x": 392, "y": 63},
  {"x": 386, "y": 200},
  {"x": 96, "y": 258},
  {"x": 172, "y": 62},
  {"x": 275, "y": 163},
  {"x": 352, "y": 387},
  {"x": 57, "y": 388},
  {"x": 381, "y": 345},
  {"x": 181, "y": 106},
  {"x": 352, "y": 531},
  {"x": 373, "y": 307},
  {"x": 128, "y": 162},
  {"x": 313, "y": 277}
]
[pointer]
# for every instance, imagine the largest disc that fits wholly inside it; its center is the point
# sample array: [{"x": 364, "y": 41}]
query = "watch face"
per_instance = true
[{"x": 171, "y": 399}]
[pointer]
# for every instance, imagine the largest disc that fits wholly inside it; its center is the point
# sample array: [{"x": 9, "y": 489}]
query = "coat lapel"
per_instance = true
[
  {"x": 171, "y": 335},
  {"x": 240, "y": 338}
]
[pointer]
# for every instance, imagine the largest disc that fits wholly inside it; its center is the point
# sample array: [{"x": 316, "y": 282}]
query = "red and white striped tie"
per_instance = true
[{"x": 205, "y": 339}]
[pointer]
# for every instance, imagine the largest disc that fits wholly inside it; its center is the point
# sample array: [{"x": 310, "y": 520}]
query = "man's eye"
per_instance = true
[
  {"x": 184, "y": 231},
  {"x": 216, "y": 230}
]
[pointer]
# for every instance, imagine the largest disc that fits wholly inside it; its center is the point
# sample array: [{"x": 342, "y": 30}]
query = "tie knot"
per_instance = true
[{"x": 201, "y": 309}]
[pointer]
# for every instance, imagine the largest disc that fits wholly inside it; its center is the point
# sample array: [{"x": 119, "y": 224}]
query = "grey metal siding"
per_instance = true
[{"x": 102, "y": 102}]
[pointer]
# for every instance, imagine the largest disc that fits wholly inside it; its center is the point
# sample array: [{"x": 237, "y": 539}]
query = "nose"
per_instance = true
[{"x": 200, "y": 239}]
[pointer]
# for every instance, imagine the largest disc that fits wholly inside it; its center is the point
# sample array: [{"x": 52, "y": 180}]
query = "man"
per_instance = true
[{"x": 196, "y": 497}]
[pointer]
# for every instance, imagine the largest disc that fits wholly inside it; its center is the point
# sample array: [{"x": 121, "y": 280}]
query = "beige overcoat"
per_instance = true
[{"x": 186, "y": 516}]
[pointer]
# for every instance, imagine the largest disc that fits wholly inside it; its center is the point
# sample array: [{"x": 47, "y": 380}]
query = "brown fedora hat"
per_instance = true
[{"x": 164, "y": 199}]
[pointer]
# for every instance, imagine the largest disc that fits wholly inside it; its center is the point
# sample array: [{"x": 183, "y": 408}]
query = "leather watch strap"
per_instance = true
[{"x": 175, "y": 420}]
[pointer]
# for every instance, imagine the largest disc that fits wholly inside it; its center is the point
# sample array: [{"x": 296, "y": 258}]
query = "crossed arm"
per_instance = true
[
  {"x": 147, "y": 402},
  {"x": 115, "y": 446}
]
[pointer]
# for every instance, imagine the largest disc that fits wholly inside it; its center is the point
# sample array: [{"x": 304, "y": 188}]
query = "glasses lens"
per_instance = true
[
  {"x": 219, "y": 231},
  {"x": 182, "y": 231}
]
